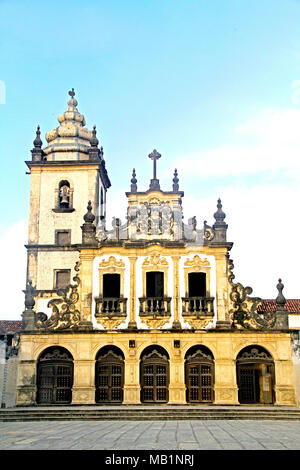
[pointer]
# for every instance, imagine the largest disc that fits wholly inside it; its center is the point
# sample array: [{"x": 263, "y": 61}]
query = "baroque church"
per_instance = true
[{"x": 146, "y": 312}]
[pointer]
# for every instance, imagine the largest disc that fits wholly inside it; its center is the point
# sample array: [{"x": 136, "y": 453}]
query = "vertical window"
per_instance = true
[
  {"x": 155, "y": 284},
  {"x": 64, "y": 195},
  {"x": 63, "y": 237},
  {"x": 197, "y": 285},
  {"x": 111, "y": 285},
  {"x": 62, "y": 278}
]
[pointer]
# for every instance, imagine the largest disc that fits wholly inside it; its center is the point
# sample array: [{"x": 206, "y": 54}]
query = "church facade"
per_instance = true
[{"x": 148, "y": 312}]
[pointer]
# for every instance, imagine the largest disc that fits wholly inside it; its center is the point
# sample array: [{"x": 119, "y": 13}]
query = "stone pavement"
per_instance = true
[{"x": 151, "y": 435}]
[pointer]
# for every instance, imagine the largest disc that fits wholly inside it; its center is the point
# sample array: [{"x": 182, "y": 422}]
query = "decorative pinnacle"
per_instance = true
[
  {"x": 175, "y": 181},
  {"x": 280, "y": 299},
  {"x": 154, "y": 182},
  {"x": 94, "y": 140},
  {"x": 37, "y": 141},
  {"x": 133, "y": 182},
  {"x": 72, "y": 93},
  {"x": 89, "y": 216},
  {"x": 29, "y": 299},
  {"x": 219, "y": 215}
]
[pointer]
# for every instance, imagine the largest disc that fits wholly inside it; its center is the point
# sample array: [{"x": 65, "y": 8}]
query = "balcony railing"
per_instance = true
[
  {"x": 110, "y": 306},
  {"x": 199, "y": 306},
  {"x": 155, "y": 306}
]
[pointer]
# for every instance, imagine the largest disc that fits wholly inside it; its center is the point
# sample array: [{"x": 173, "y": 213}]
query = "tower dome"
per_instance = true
[{"x": 70, "y": 140}]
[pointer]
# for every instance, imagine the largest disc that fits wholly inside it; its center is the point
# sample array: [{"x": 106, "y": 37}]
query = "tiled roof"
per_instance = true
[
  {"x": 10, "y": 326},
  {"x": 270, "y": 305}
]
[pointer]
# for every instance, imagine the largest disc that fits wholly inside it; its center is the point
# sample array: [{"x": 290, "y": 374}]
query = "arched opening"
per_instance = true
[
  {"x": 199, "y": 375},
  {"x": 64, "y": 194},
  {"x": 154, "y": 375},
  {"x": 55, "y": 376},
  {"x": 109, "y": 375},
  {"x": 255, "y": 376}
]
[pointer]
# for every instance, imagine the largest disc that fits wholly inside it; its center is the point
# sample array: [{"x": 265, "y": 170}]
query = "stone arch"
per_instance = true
[
  {"x": 109, "y": 375},
  {"x": 199, "y": 374},
  {"x": 55, "y": 373},
  {"x": 255, "y": 371}
]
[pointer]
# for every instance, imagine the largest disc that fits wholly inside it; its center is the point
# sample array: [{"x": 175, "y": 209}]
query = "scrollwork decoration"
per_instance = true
[{"x": 65, "y": 315}]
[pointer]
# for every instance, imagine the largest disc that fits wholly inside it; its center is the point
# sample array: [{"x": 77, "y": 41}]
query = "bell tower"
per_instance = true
[{"x": 65, "y": 175}]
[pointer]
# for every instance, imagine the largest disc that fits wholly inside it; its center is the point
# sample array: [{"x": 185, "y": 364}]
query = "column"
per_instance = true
[{"x": 132, "y": 300}]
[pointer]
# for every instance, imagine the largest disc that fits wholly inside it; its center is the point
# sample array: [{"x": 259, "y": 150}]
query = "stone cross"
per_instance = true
[{"x": 154, "y": 157}]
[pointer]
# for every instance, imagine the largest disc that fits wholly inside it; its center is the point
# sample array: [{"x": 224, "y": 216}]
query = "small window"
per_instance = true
[
  {"x": 111, "y": 285},
  {"x": 63, "y": 237},
  {"x": 64, "y": 195},
  {"x": 62, "y": 278}
]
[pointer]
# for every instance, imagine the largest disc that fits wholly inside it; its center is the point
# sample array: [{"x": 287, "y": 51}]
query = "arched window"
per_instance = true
[
  {"x": 109, "y": 376},
  {"x": 64, "y": 195},
  {"x": 199, "y": 375},
  {"x": 55, "y": 376},
  {"x": 255, "y": 375},
  {"x": 154, "y": 373}
]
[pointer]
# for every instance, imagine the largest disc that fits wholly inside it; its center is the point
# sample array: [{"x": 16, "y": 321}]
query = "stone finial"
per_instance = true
[
  {"x": 281, "y": 314},
  {"x": 89, "y": 228},
  {"x": 133, "y": 182},
  {"x": 28, "y": 316},
  {"x": 89, "y": 216},
  {"x": 175, "y": 181},
  {"x": 72, "y": 103},
  {"x": 37, "y": 152},
  {"x": 94, "y": 140},
  {"x": 219, "y": 214},
  {"x": 220, "y": 226},
  {"x": 29, "y": 299},
  {"x": 37, "y": 141},
  {"x": 280, "y": 299}
]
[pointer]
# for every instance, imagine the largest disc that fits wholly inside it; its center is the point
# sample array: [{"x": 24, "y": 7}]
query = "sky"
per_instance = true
[{"x": 213, "y": 85}]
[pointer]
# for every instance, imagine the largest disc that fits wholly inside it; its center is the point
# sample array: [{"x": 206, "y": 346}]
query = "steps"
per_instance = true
[{"x": 143, "y": 413}]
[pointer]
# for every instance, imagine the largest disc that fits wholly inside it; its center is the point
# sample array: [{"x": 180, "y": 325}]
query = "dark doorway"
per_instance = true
[
  {"x": 155, "y": 284},
  {"x": 109, "y": 376},
  {"x": 111, "y": 286},
  {"x": 55, "y": 377},
  {"x": 255, "y": 376},
  {"x": 154, "y": 371},
  {"x": 197, "y": 285}
]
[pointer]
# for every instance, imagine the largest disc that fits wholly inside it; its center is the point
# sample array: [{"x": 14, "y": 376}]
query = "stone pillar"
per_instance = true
[
  {"x": 86, "y": 289},
  {"x": 132, "y": 389},
  {"x": 26, "y": 383},
  {"x": 132, "y": 300},
  {"x": 176, "y": 292},
  {"x": 222, "y": 291},
  {"x": 177, "y": 386},
  {"x": 83, "y": 391}
]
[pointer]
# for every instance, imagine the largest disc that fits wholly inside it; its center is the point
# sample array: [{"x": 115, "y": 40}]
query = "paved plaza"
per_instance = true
[{"x": 151, "y": 435}]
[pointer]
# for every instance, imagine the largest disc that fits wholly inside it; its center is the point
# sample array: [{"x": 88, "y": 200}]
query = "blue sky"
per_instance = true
[{"x": 214, "y": 85}]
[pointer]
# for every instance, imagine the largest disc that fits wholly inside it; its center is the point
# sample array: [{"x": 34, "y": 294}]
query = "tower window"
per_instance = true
[
  {"x": 62, "y": 278},
  {"x": 63, "y": 237},
  {"x": 64, "y": 195}
]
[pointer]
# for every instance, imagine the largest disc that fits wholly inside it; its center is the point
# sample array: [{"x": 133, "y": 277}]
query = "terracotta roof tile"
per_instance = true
[
  {"x": 270, "y": 305},
  {"x": 8, "y": 326}
]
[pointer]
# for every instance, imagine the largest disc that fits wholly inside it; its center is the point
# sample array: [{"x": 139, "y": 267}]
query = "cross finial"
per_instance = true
[
  {"x": 154, "y": 157},
  {"x": 72, "y": 93}
]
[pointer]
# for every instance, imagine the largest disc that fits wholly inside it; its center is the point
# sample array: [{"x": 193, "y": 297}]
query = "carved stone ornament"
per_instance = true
[
  {"x": 65, "y": 315},
  {"x": 155, "y": 260},
  {"x": 111, "y": 323},
  {"x": 196, "y": 261},
  {"x": 243, "y": 312},
  {"x": 198, "y": 323},
  {"x": 111, "y": 262},
  {"x": 155, "y": 323}
]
